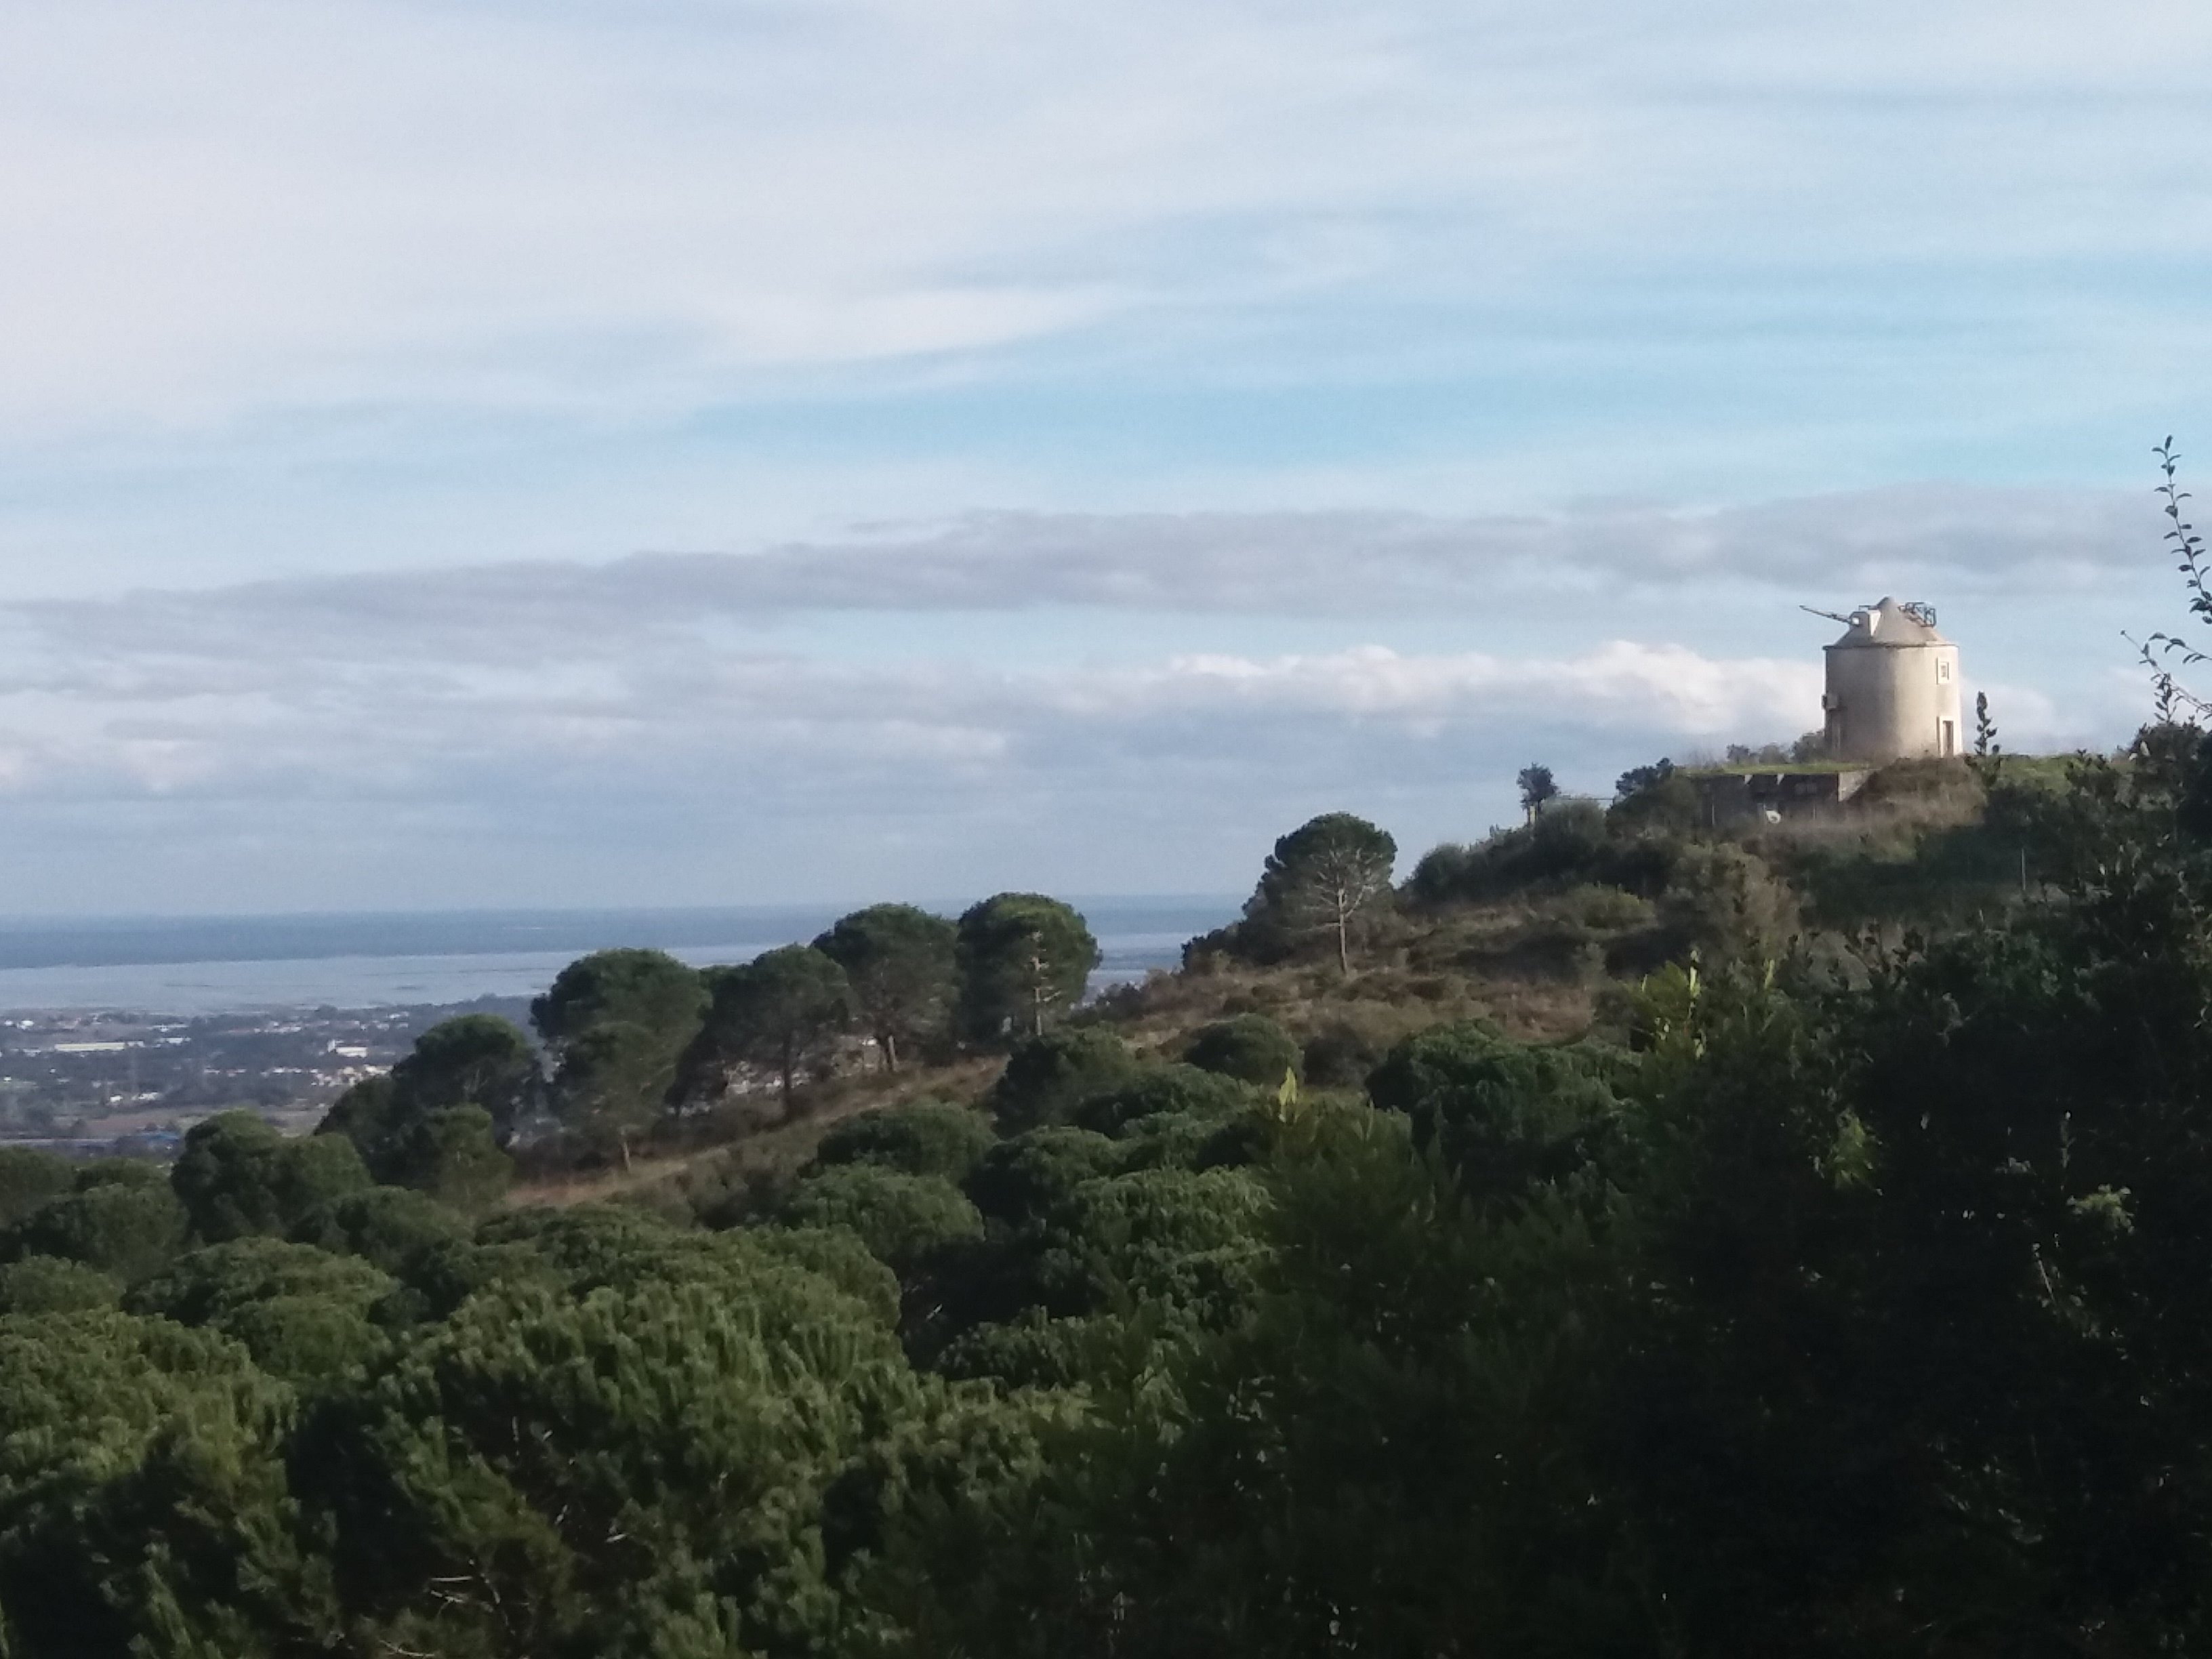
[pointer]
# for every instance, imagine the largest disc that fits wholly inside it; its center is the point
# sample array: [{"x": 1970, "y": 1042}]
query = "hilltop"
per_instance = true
[
  {"x": 1541, "y": 930},
  {"x": 1614, "y": 1236}
]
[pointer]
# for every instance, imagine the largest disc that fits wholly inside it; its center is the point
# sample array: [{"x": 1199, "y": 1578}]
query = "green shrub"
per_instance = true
[
  {"x": 1193, "y": 1140},
  {"x": 305, "y": 1315},
  {"x": 1727, "y": 905},
  {"x": 1668, "y": 805},
  {"x": 28, "y": 1177},
  {"x": 1036, "y": 1350},
  {"x": 237, "y": 1176},
  {"x": 127, "y": 1227},
  {"x": 1026, "y": 1177},
  {"x": 1047, "y": 1077},
  {"x": 1187, "y": 1240},
  {"x": 452, "y": 1153},
  {"x": 926, "y": 1138},
  {"x": 1503, "y": 1114},
  {"x": 1642, "y": 864},
  {"x": 386, "y": 1226},
  {"x": 1163, "y": 1091},
  {"x": 1250, "y": 1047},
  {"x": 1339, "y": 1056},
  {"x": 1567, "y": 843},
  {"x": 206, "y": 1285},
  {"x": 841, "y": 1256},
  {"x": 1606, "y": 908},
  {"x": 144, "y": 1488},
  {"x": 134, "y": 1172},
  {"x": 46, "y": 1284},
  {"x": 901, "y": 1219}
]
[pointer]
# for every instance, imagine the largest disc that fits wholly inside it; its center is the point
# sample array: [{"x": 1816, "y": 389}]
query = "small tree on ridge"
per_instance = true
[{"x": 1327, "y": 875}]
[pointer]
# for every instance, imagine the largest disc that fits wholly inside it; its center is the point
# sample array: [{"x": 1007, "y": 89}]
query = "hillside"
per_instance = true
[
  {"x": 1542, "y": 932},
  {"x": 1619, "y": 1237}
]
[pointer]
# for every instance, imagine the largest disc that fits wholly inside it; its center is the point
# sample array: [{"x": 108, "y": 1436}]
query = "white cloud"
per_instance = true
[
  {"x": 615, "y": 694},
  {"x": 2012, "y": 545},
  {"x": 624, "y": 734}
]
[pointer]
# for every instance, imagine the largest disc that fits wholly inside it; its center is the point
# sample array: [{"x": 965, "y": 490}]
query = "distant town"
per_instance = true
[{"x": 128, "y": 1082}]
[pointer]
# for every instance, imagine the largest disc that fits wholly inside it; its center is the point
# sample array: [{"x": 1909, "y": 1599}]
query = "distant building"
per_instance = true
[
  {"x": 1892, "y": 687},
  {"x": 1730, "y": 795}
]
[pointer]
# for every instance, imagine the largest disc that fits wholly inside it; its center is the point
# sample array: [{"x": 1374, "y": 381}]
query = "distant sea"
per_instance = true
[{"x": 201, "y": 965}]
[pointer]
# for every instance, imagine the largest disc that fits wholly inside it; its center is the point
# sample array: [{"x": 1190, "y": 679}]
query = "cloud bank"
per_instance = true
[
  {"x": 714, "y": 708},
  {"x": 1939, "y": 539}
]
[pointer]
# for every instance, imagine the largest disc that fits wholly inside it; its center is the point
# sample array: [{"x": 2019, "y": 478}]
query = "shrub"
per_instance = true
[
  {"x": 1727, "y": 905},
  {"x": 28, "y": 1177},
  {"x": 1568, "y": 838},
  {"x": 206, "y": 1285},
  {"x": 1195, "y": 1140},
  {"x": 1444, "y": 874},
  {"x": 452, "y": 1154},
  {"x": 127, "y": 1228},
  {"x": 1237, "y": 941},
  {"x": 926, "y": 1138},
  {"x": 303, "y": 1314},
  {"x": 1037, "y": 1351},
  {"x": 1024, "y": 1177},
  {"x": 841, "y": 1256},
  {"x": 1188, "y": 1239},
  {"x": 1250, "y": 1047},
  {"x": 237, "y": 1176},
  {"x": 1606, "y": 908},
  {"x": 1339, "y": 1056},
  {"x": 1642, "y": 864},
  {"x": 45, "y": 1284},
  {"x": 1502, "y": 1114},
  {"x": 1667, "y": 803},
  {"x": 1162, "y": 1091},
  {"x": 1046, "y": 1077},
  {"x": 1567, "y": 843},
  {"x": 134, "y": 1172},
  {"x": 386, "y": 1226},
  {"x": 901, "y": 1219}
]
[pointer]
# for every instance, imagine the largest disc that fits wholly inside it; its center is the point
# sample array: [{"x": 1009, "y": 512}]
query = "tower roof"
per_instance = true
[{"x": 1888, "y": 625}]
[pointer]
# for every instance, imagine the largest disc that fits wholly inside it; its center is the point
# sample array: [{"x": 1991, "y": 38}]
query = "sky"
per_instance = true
[{"x": 459, "y": 452}]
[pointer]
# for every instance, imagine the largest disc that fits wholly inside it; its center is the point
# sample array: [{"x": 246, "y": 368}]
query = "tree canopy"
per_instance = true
[
  {"x": 237, "y": 1176},
  {"x": 782, "y": 1012},
  {"x": 1538, "y": 787},
  {"x": 1024, "y": 960},
  {"x": 1328, "y": 875},
  {"x": 422, "y": 1126},
  {"x": 474, "y": 1060},
  {"x": 900, "y": 962},
  {"x": 618, "y": 1024}
]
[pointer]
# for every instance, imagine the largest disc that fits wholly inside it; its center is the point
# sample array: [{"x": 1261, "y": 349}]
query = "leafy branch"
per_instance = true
[
  {"x": 1987, "y": 762},
  {"x": 2162, "y": 653}
]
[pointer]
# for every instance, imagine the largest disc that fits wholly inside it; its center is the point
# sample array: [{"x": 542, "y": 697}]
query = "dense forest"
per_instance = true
[{"x": 1615, "y": 1237}]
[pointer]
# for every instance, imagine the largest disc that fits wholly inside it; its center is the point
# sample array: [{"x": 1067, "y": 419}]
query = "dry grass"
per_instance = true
[
  {"x": 1530, "y": 965},
  {"x": 1533, "y": 967},
  {"x": 761, "y": 1138}
]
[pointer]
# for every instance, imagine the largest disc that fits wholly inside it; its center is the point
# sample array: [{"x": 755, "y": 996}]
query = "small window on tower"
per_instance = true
[{"x": 1943, "y": 669}]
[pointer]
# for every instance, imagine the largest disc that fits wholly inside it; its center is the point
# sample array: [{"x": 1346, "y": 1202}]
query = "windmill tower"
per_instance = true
[{"x": 1893, "y": 685}]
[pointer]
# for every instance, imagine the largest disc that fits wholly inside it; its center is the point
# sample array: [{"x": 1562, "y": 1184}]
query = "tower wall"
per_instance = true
[{"x": 1889, "y": 702}]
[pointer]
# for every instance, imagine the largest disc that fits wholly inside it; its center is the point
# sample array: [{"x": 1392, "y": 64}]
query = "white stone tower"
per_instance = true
[{"x": 1893, "y": 686}]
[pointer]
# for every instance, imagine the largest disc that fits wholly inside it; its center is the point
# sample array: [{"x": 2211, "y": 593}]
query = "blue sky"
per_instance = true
[{"x": 681, "y": 452}]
